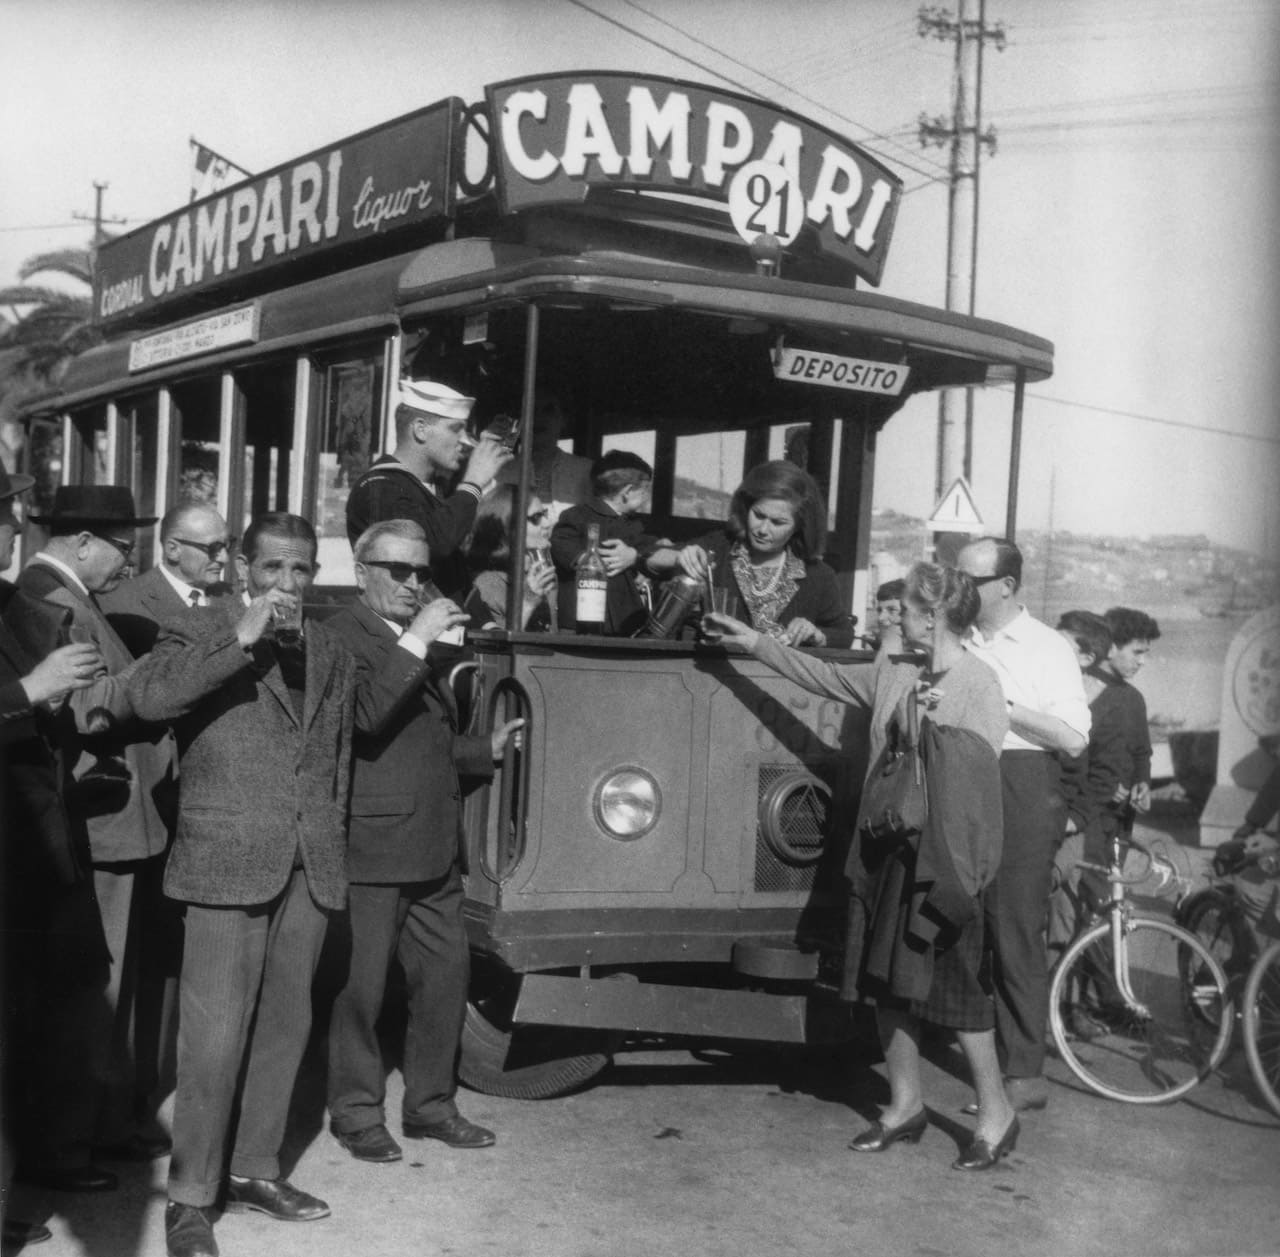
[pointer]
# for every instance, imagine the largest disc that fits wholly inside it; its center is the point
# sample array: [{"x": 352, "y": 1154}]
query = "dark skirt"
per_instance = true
[{"x": 956, "y": 999}]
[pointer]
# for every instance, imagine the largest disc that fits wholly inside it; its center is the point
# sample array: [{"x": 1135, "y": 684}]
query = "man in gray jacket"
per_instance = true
[{"x": 258, "y": 860}]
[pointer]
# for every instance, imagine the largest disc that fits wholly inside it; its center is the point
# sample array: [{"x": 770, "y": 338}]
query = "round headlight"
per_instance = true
[{"x": 627, "y": 803}]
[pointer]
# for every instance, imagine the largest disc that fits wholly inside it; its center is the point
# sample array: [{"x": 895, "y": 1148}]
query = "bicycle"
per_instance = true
[
  {"x": 1260, "y": 1021},
  {"x": 1138, "y": 1005}
]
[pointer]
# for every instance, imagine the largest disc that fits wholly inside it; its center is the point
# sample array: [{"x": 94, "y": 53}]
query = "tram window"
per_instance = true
[
  {"x": 350, "y": 439},
  {"x": 709, "y": 467},
  {"x": 43, "y": 460},
  {"x": 268, "y": 439},
  {"x": 196, "y": 405},
  {"x": 89, "y": 448},
  {"x": 139, "y": 439}
]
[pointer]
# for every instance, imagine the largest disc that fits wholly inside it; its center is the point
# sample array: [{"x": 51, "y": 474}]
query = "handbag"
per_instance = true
[{"x": 895, "y": 800}]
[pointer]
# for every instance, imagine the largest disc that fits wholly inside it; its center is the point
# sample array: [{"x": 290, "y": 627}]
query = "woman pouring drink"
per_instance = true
[
  {"x": 767, "y": 559},
  {"x": 915, "y": 916}
]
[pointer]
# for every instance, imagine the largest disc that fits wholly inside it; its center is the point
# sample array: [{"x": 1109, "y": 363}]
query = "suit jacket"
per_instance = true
[
  {"x": 43, "y": 845},
  {"x": 261, "y": 787},
  {"x": 133, "y": 824},
  {"x": 406, "y": 811},
  {"x": 139, "y": 608}
]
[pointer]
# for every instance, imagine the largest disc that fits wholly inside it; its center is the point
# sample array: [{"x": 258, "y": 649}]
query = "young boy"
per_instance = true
[{"x": 620, "y": 482}]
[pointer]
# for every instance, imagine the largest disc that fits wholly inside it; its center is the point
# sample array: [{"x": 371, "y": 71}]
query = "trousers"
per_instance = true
[
  {"x": 244, "y": 1000},
  {"x": 1016, "y": 908}
]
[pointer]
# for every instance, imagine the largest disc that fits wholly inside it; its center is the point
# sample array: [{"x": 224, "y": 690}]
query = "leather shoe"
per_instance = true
[
  {"x": 137, "y": 1147},
  {"x": 276, "y": 1197},
  {"x": 75, "y": 1178},
  {"x": 188, "y": 1231},
  {"x": 878, "y": 1137},
  {"x": 980, "y": 1155},
  {"x": 455, "y": 1131},
  {"x": 18, "y": 1234},
  {"x": 373, "y": 1143}
]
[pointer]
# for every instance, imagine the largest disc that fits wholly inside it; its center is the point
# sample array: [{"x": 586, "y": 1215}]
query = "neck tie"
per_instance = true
[{"x": 196, "y": 597}]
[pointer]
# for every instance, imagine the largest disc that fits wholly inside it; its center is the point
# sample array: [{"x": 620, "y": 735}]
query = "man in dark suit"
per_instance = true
[
  {"x": 124, "y": 790},
  {"x": 403, "y": 859},
  {"x": 193, "y": 553},
  {"x": 264, "y": 732},
  {"x": 45, "y": 868}
]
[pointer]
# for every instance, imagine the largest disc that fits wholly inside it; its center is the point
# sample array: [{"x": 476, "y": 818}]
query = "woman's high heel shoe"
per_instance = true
[
  {"x": 878, "y": 1137},
  {"x": 980, "y": 1155}
]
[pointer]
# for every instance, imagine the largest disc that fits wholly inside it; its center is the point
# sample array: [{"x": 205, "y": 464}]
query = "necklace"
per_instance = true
[{"x": 769, "y": 582}]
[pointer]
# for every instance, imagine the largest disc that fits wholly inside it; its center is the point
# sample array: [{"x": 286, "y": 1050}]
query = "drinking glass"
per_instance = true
[
  {"x": 429, "y": 592},
  {"x": 719, "y": 604},
  {"x": 288, "y": 623},
  {"x": 541, "y": 555}
]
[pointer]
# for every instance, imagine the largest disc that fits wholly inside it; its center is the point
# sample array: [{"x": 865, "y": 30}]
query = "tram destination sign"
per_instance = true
[
  {"x": 808, "y": 366},
  {"x": 370, "y": 187},
  {"x": 556, "y": 138}
]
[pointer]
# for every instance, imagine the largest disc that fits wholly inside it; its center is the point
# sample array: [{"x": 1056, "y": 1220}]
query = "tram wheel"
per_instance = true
[{"x": 523, "y": 1062}]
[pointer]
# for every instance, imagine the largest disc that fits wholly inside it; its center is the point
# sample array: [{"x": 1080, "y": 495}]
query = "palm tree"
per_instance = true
[{"x": 45, "y": 328}]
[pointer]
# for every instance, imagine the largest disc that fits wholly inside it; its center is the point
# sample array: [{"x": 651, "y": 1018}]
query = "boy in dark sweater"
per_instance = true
[{"x": 621, "y": 483}]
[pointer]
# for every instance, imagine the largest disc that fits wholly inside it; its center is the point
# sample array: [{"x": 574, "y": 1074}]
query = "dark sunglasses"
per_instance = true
[
  {"x": 985, "y": 580},
  {"x": 211, "y": 548},
  {"x": 538, "y": 516},
  {"x": 125, "y": 547},
  {"x": 400, "y": 572}
]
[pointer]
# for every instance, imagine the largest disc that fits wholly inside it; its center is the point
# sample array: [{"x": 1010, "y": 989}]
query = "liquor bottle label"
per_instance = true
[{"x": 591, "y": 599}]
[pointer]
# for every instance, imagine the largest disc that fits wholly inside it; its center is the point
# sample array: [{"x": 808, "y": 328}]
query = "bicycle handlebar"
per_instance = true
[{"x": 1164, "y": 870}]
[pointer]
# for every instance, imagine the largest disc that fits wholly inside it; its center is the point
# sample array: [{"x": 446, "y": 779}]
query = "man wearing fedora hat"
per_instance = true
[
  {"x": 45, "y": 876},
  {"x": 431, "y": 445},
  {"x": 92, "y": 534}
]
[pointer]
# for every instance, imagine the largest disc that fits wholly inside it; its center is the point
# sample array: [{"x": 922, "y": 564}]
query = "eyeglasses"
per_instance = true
[
  {"x": 126, "y": 548},
  {"x": 537, "y": 517},
  {"x": 400, "y": 572},
  {"x": 211, "y": 548},
  {"x": 985, "y": 580}
]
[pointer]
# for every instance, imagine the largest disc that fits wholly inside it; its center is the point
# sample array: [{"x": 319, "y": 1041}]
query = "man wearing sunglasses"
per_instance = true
[
  {"x": 92, "y": 535},
  {"x": 404, "y": 854},
  {"x": 194, "y": 555},
  {"x": 1048, "y": 716}
]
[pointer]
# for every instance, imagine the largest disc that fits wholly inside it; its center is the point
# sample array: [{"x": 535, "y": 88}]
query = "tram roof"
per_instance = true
[{"x": 476, "y": 272}]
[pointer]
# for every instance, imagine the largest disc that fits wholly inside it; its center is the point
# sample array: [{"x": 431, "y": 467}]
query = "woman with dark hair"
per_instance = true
[
  {"x": 768, "y": 557},
  {"x": 489, "y": 559},
  {"x": 915, "y": 915}
]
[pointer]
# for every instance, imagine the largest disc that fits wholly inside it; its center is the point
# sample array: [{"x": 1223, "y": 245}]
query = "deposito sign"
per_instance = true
[
  {"x": 555, "y": 138},
  {"x": 808, "y": 366},
  {"x": 370, "y": 186}
]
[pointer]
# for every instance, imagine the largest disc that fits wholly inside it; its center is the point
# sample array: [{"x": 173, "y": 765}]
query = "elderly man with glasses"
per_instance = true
[
  {"x": 92, "y": 534},
  {"x": 194, "y": 553},
  {"x": 404, "y": 861}
]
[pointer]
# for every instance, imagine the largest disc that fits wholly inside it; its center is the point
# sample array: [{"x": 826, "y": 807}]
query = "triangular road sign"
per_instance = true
[{"x": 956, "y": 511}]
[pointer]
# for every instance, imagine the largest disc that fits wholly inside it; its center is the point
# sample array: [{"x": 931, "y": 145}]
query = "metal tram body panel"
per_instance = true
[{"x": 646, "y": 318}]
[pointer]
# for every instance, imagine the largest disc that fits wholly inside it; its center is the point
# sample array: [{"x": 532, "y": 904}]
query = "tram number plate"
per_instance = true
[{"x": 808, "y": 366}]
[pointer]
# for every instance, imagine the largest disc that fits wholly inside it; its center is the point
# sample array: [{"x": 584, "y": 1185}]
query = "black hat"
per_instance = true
[
  {"x": 88, "y": 505},
  {"x": 11, "y": 486}
]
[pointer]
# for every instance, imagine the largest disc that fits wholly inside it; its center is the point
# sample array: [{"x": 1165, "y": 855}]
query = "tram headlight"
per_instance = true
[{"x": 627, "y": 803}]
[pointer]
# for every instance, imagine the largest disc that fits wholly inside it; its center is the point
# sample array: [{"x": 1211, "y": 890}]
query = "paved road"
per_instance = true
[{"x": 744, "y": 1156}]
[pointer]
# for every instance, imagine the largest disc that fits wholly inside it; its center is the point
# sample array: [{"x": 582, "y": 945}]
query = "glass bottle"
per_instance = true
[{"x": 590, "y": 585}]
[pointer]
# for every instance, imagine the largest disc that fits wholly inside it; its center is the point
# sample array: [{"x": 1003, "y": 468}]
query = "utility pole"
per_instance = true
[
  {"x": 963, "y": 131},
  {"x": 97, "y": 220}
]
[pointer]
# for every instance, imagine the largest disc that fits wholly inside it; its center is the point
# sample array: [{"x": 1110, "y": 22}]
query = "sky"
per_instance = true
[{"x": 1128, "y": 213}]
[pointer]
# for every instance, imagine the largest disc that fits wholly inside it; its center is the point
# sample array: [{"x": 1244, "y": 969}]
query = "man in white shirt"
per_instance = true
[{"x": 1048, "y": 715}]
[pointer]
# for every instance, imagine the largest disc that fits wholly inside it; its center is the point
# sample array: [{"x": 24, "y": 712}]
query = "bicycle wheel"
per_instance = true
[
  {"x": 1158, "y": 1044},
  {"x": 1213, "y": 916},
  {"x": 1261, "y": 1024}
]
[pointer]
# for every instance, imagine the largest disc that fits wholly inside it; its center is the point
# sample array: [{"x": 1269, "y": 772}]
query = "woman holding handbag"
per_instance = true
[{"x": 927, "y": 843}]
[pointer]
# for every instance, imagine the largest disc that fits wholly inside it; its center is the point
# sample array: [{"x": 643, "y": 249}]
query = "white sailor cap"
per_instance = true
[{"x": 434, "y": 398}]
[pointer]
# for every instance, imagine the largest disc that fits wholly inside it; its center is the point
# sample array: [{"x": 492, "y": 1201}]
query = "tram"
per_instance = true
[{"x": 685, "y": 270}]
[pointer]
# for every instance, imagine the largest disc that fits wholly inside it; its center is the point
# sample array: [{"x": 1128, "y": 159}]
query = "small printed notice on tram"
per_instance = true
[
  {"x": 238, "y": 326},
  {"x": 808, "y": 366}
]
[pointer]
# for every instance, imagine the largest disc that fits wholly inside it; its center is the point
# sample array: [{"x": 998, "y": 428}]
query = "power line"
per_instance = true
[
  {"x": 657, "y": 43},
  {"x": 1168, "y": 423}
]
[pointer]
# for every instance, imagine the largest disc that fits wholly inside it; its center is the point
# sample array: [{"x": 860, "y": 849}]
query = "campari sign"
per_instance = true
[
  {"x": 372, "y": 186},
  {"x": 558, "y": 138}
]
